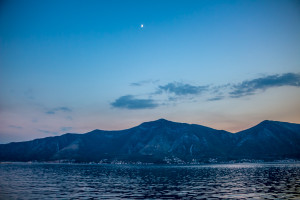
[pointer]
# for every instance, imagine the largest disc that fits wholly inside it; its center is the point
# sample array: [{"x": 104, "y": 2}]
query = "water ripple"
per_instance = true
[{"x": 65, "y": 181}]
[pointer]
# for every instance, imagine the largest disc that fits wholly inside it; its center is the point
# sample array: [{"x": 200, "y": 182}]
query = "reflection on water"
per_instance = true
[{"x": 67, "y": 181}]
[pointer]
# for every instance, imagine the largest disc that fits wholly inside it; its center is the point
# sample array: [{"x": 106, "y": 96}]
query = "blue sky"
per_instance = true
[{"x": 75, "y": 66}]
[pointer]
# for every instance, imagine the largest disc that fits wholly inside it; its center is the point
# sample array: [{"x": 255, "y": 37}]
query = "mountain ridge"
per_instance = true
[{"x": 161, "y": 140}]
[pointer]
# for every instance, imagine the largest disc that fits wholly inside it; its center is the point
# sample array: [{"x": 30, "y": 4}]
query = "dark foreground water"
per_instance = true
[{"x": 71, "y": 181}]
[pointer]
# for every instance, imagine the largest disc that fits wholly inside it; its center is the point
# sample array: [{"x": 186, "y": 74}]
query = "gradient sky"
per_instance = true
[{"x": 75, "y": 66}]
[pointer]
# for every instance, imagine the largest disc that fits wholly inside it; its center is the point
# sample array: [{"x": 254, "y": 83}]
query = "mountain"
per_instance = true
[
  {"x": 268, "y": 139},
  {"x": 163, "y": 141}
]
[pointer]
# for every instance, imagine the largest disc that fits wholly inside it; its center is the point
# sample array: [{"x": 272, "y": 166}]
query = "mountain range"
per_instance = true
[{"x": 163, "y": 141}]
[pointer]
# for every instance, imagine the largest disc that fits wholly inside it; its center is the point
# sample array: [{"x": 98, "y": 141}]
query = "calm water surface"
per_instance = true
[{"x": 74, "y": 181}]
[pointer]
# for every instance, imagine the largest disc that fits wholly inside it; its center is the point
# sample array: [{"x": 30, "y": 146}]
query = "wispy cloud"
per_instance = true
[
  {"x": 47, "y": 132},
  {"x": 15, "y": 127},
  {"x": 217, "y": 98},
  {"x": 144, "y": 82},
  {"x": 58, "y": 109},
  {"x": 250, "y": 87},
  {"x": 181, "y": 89},
  {"x": 175, "y": 92},
  {"x": 130, "y": 102},
  {"x": 70, "y": 118},
  {"x": 65, "y": 128}
]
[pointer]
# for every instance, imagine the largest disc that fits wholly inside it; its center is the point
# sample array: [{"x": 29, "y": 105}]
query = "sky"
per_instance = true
[{"x": 76, "y": 66}]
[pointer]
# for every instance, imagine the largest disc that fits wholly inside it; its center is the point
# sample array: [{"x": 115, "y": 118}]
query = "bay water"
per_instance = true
[{"x": 107, "y": 181}]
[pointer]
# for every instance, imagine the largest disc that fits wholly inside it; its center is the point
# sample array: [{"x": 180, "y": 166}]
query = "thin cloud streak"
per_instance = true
[
  {"x": 215, "y": 98},
  {"x": 250, "y": 87},
  {"x": 58, "y": 109},
  {"x": 15, "y": 127},
  {"x": 64, "y": 129},
  {"x": 176, "y": 91},
  {"x": 130, "y": 102},
  {"x": 182, "y": 89},
  {"x": 47, "y": 132},
  {"x": 144, "y": 82}
]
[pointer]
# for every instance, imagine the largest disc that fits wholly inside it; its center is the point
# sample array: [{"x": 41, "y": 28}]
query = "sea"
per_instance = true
[{"x": 109, "y": 181}]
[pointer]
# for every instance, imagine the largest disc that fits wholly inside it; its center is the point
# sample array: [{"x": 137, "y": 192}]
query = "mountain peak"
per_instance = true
[
  {"x": 159, "y": 122},
  {"x": 265, "y": 122},
  {"x": 269, "y": 122},
  {"x": 162, "y": 120}
]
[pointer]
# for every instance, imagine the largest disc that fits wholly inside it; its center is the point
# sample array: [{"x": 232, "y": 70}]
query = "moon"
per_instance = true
[{"x": 142, "y": 25}]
